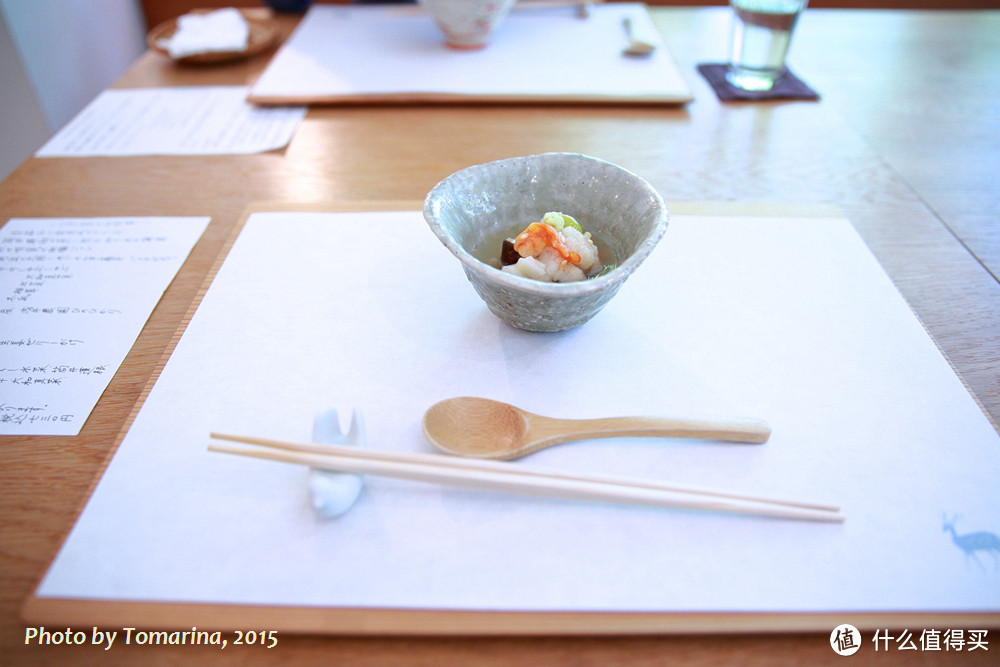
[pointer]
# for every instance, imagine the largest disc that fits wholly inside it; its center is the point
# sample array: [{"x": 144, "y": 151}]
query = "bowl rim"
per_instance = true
[{"x": 521, "y": 283}]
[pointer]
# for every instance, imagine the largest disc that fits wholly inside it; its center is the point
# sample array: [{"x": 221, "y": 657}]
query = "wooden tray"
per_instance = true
[
  {"x": 263, "y": 33},
  {"x": 443, "y": 621},
  {"x": 395, "y": 55}
]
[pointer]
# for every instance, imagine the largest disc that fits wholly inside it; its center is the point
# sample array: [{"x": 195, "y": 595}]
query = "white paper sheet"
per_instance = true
[
  {"x": 786, "y": 319},
  {"x": 351, "y": 52},
  {"x": 74, "y": 295},
  {"x": 195, "y": 120}
]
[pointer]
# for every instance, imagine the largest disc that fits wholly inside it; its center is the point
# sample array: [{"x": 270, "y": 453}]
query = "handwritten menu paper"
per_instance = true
[
  {"x": 199, "y": 120},
  {"x": 785, "y": 318},
  {"x": 546, "y": 54},
  {"x": 74, "y": 294}
]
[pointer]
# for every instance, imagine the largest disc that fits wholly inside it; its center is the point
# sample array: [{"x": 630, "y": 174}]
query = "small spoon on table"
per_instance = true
[
  {"x": 487, "y": 429},
  {"x": 635, "y": 47}
]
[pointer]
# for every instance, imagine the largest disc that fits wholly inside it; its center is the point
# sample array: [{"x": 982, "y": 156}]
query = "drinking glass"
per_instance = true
[{"x": 762, "y": 31}]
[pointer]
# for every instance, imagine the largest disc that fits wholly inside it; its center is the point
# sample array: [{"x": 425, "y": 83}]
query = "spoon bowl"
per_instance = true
[
  {"x": 635, "y": 47},
  {"x": 488, "y": 429}
]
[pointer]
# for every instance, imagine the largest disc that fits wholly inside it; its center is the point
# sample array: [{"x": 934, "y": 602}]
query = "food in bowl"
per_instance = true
[
  {"x": 474, "y": 209},
  {"x": 554, "y": 249}
]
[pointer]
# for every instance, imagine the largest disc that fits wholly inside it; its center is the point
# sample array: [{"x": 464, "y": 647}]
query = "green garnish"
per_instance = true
[
  {"x": 608, "y": 268},
  {"x": 560, "y": 220}
]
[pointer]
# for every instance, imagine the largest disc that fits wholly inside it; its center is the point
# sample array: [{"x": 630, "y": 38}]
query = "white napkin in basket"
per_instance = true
[{"x": 221, "y": 30}]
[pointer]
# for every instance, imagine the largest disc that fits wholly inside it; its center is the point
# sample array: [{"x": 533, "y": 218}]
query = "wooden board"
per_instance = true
[
  {"x": 358, "y": 620},
  {"x": 344, "y": 55}
]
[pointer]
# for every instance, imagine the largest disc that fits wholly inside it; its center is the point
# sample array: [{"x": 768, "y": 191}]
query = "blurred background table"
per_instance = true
[{"x": 905, "y": 141}]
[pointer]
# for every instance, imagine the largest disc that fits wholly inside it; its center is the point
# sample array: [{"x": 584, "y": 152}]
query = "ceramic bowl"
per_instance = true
[
  {"x": 474, "y": 207},
  {"x": 468, "y": 24}
]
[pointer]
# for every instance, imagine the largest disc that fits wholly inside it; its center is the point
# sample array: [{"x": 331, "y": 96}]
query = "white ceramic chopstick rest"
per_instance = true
[{"x": 333, "y": 493}]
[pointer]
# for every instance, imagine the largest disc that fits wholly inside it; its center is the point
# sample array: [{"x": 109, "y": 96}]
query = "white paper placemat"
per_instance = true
[
  {"x": 342, "y": 54},
  {"x": 789, "y": 319}
]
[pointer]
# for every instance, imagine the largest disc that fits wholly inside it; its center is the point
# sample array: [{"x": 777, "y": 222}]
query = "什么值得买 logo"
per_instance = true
[{"x": 845, "y": 639}]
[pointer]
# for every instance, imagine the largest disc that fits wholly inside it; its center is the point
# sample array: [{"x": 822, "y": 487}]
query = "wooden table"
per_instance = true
[{"x": 905, "y": 141}]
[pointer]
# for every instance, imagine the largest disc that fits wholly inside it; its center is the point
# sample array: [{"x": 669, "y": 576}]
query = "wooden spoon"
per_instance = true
[
  {"x": 486, "y": 429},
  {"x": 635, "y": 47}
]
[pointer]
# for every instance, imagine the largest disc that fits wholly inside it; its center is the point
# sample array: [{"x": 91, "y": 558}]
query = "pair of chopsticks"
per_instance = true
[
  {"x": 582, "y": 7},
  {"x": 514, "y": 478}
]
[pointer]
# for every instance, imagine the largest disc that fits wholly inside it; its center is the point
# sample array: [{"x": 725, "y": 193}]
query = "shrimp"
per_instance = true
[{"x": 538, "y": 236}]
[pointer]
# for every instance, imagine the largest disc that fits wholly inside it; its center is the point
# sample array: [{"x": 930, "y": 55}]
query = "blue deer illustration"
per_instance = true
[{"x": 970, "y": 543}]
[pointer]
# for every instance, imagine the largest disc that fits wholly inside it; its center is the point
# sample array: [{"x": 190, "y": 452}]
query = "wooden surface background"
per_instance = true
[
  {"x": 157, "y": 11},
  {"x": 905, "y": 141}
]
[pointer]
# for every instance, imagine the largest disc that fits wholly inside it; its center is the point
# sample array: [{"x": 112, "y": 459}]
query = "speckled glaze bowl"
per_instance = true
[
  {"x": 477, "y": 203},
  {"x": 468, "y": 24}
]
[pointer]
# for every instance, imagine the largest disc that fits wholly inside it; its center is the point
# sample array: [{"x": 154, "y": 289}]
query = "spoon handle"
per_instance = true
[{"x": 554, "y": 431}]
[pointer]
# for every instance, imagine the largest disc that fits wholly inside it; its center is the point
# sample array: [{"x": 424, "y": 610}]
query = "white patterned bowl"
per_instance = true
[
  {"x": 618, "y": 207},
  {"x": 468, "y": 24}
]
